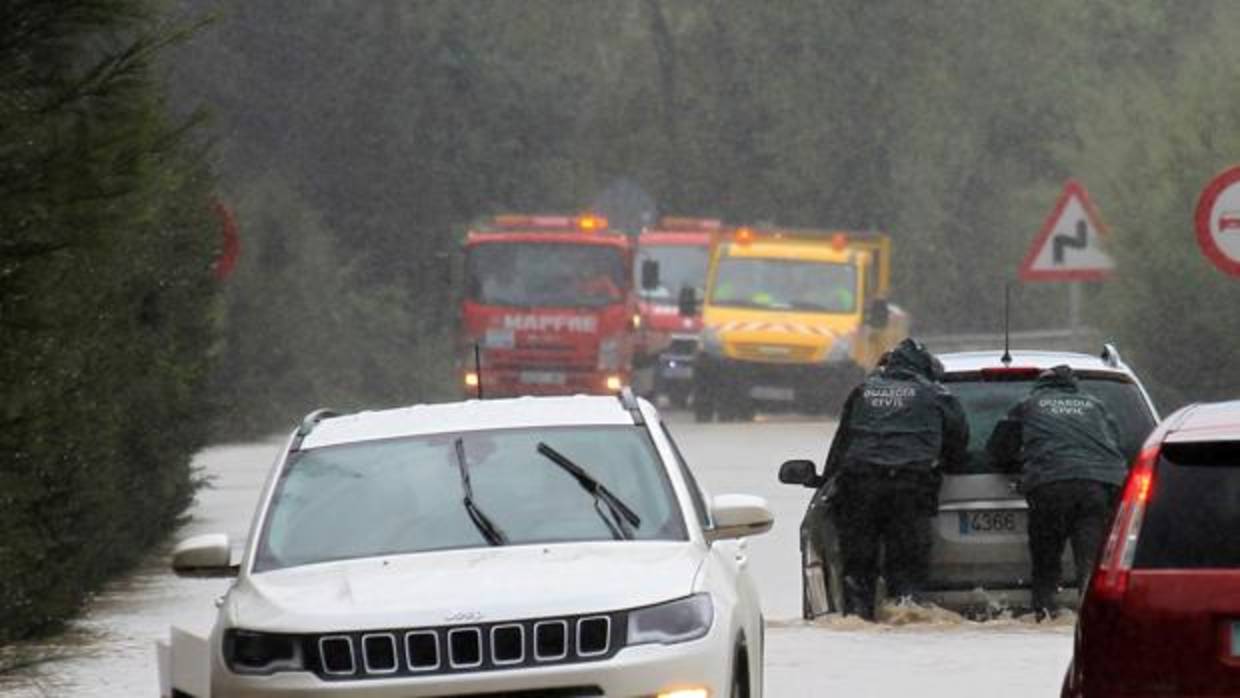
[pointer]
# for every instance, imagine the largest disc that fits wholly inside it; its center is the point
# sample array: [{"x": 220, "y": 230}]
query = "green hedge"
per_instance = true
[{"x": 107, "y": 301}]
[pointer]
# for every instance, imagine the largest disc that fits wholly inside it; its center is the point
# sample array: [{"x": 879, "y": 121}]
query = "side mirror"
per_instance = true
[
  {"x": 739, "y": 515},
  {"x": 799, "y": 472},
  {"x": 208, "y": 555},
  {"x": 650, "y": 275},
  {"x": 878, "y": 314},
  {"x": 688, "y": 302}
]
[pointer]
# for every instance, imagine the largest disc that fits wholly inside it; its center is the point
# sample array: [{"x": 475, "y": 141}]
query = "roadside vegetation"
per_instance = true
[
  {"x": 358, "y": 139},
  {"x": 106, "y": 302}
]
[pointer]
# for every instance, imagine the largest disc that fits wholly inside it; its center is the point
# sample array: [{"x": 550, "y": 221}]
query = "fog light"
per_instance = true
[
  {"x": 471, "y": 380},
  {"x": 614, "y": 384},
  {"x": 685, "y": 693}
]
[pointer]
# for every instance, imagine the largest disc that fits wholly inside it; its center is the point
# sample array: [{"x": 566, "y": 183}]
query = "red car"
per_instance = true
[{"x": 1161, "y": 616}]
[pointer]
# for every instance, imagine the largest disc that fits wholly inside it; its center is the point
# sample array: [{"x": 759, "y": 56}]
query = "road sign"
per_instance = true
[
  {"x": 230, "y": 246},
  {"x": 1218, "y": 221},
  {"x": 1069, "y": 246}
]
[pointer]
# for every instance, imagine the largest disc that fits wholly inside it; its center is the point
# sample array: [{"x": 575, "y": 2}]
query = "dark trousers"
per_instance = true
[
  {"x": 891, "y": 510},
  {"x": 1076, "y": 510}
]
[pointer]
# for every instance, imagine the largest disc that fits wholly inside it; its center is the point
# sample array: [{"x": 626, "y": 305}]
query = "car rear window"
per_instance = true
[
  {"x": 987, "y": 400},
  {"x": 1194, "y": 507}
]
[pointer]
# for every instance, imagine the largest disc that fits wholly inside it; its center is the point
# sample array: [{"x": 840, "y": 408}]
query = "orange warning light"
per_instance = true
[
  {"x": 743, "y": 236},
  {"x": 839, "y": 241},
  {"x": 591, "y": 224}
]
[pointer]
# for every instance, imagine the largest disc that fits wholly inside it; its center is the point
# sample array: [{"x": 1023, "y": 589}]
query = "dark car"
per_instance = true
[
  {"x": 980, "y": 556},
  {"x": 1162, "y": 612}
]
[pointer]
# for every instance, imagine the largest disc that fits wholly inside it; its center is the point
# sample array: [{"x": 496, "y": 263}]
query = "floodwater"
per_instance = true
[{"x": 913, "y": 652}]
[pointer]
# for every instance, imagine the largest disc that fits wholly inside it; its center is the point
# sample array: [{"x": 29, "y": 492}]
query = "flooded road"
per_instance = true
[{"x": 924, "y": 655}]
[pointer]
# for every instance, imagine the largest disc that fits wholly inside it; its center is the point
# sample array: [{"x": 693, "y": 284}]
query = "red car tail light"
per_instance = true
[{"x": 1110, "y": 579}]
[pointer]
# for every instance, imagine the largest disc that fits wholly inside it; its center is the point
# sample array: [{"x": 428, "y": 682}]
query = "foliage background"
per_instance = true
[
  {"x": 106, "y": 302},
  {"x": 359, "y": 138}
]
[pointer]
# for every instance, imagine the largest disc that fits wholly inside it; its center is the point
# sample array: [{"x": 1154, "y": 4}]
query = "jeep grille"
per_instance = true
[{"x": 464, "y": 648}]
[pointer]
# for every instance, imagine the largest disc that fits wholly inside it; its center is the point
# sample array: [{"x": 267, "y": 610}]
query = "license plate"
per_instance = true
[
  {"x": 542, "y": 377},
  {"x": 1002, "y": 521},
  {"x": 679, "y": 372},
  {"x": 766, "y": 392}
]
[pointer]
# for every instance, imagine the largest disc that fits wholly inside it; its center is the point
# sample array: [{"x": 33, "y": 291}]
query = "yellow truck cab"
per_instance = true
[{"x": 792, "y": 320}]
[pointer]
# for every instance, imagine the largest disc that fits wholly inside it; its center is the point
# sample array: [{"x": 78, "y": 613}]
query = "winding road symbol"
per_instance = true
[
  {"x": 1078, "y": 241},
  {"x": 1069, "y": 247}
]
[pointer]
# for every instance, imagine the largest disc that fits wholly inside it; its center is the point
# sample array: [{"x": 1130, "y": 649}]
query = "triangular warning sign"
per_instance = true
[{"x": 1070, "y": 245}]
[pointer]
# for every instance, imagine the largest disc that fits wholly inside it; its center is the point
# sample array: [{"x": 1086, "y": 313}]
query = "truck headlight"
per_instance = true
[
  {"x": 841, "y": 350},
  {"x": 248, "y": 652},
  {"x": 710, "y": 342},
  {"x": 676, "y": 621}
]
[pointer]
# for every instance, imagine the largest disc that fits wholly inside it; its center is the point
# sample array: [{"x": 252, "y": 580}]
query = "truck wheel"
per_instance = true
[
  {"x": 733, "y": 402},
  {"x": 678, "y": 397},
  {"x": 746, "y": 410},
  {"x": 703, "y": 404}
]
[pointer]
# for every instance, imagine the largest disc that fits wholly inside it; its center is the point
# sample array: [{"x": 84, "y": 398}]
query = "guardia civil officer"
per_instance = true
[
  {"x": 896, "y": 430},
  {"x": 1066, "y": 445}
]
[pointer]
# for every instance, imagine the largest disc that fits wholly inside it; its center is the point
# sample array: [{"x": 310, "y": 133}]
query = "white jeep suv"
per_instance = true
[{"x": 525, "y": 547}]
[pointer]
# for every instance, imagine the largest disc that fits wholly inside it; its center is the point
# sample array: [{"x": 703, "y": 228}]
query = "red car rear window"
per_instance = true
[{"x": 1193, "y": 512}]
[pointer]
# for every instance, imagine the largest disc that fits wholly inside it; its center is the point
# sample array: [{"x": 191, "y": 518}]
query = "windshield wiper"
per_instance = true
[
  {"x": 489, "y": 530},
  {"x": 620, "y": 512}
]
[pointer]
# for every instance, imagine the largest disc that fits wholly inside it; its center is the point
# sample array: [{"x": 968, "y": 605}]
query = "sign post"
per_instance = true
[
  {"x": 1069, "y": 247},
  {"x": 1217, "y": 221}
]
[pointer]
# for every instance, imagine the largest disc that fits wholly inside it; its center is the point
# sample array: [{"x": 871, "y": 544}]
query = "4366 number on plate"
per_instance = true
[{"x": 979, "y": 522}]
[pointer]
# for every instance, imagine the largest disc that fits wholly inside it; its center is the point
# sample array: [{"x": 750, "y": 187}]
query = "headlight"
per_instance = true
[
  {"x": 710, "y": 342},
  {"x": 248, "y": 652},
  {"x": 841, "y": 350},
  {"x": 681, "y": 620}
]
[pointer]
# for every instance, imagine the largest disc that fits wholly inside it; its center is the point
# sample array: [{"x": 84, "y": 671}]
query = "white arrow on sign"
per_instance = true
[{"x": 1070, "y": 245}]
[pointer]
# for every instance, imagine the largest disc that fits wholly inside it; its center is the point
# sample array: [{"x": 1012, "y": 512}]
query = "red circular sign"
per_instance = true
[
  {"x": 1217, "y": 221},
  {"x": 230, "y": 248}
]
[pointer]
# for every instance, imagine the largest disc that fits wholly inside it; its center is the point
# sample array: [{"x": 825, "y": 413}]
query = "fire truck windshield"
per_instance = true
[
  {"x": 785, "y": 284},
  {"x": 527, "y": 274},
  {"x": 679, "y": 266}
]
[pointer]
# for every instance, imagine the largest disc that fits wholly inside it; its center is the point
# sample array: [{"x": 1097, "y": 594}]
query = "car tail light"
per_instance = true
[{"x": 1110, "y": 579}]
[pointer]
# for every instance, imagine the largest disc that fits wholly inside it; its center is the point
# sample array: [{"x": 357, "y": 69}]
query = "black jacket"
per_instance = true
[
  {"x": 900, "y": 417},
  {"x": 1059, "y": 433}
]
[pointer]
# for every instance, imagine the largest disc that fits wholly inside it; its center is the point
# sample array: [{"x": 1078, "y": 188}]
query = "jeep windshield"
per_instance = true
[
  {"x": 402, "y": 496},
  {"x": 987, "y": 399},
  {"x": 785, "y": 284},
  {"x": 537, "y": 274},
  {"x": 679, "y": 266}
]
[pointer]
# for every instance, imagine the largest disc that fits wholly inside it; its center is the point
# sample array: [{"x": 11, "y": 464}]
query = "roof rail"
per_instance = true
[
  {"x": 1110, "y": 355},
  {"x": 309, "y": 422},
  {"x": 629, "y": 402}
]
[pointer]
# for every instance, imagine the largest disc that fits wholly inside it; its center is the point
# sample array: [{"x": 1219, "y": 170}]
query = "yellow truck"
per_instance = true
[{"x": 792, "y": 320}]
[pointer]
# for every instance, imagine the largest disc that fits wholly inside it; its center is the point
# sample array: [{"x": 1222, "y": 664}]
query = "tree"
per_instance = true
[{"x": 106, "y": 297}]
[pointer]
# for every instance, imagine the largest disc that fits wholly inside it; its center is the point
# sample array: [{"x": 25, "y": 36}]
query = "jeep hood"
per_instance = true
[{"x": 476, "y": 585}]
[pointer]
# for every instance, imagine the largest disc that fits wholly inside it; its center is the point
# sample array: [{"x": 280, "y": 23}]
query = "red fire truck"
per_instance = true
[
  {"x": 666, "y": 340},
  {"x": 549, "y": 307}
]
